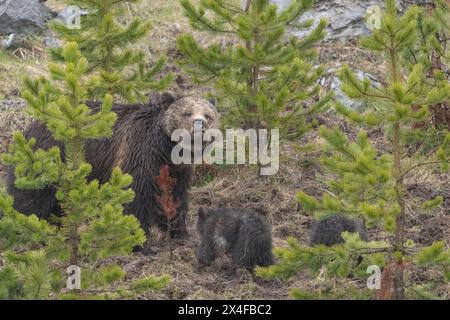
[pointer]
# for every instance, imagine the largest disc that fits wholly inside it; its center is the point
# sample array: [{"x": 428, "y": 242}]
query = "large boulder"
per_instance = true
[
  {"x": 23, "y": 16},
  {"x": 345, "y": 17}
]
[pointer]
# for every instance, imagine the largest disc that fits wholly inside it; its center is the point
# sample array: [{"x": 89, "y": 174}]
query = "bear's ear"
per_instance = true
[
  {"x": 213, "y": 101},
  {"x": 202, "y": 212}
]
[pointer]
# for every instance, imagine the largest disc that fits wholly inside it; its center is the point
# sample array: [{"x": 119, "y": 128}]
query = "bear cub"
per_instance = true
[
  {"x": 328, "y": 230},
  {"x": 242, "y": 233}
]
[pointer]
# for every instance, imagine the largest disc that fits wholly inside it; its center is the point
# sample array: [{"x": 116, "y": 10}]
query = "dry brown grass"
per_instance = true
[{"x": 239, "y": 185}]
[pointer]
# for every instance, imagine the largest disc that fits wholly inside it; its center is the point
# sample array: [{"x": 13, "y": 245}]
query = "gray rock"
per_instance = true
[
  {"x": 332, "y": 82},
  {"x": 23, "y": 16},
  {"x": 405, "y": 4},
  {"x": 345, "y": 17},
  {"x": 12, "y": 105},
  {"x": 69, "y": 15},
  {"x": 14, "y": 41},
  {"x": 51, "y": 40}
]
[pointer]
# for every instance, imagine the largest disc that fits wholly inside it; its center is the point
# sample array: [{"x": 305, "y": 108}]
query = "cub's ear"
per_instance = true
[
  {"x": 202, "y": 212},
  {"x": 167, "y": 98},
  {"x": 162, "y": 99},
  {"x": 262, "y": 210}
]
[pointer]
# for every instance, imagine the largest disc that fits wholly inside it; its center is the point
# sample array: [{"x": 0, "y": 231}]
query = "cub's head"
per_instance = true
[{"x": 186, "y": 112}]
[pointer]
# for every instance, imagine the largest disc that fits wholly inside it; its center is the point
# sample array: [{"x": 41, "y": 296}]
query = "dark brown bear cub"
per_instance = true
[
  {"x": 140, "y": 145},
  {"x": 328, "y": 230},
  {"x": 242, "y": 233}
]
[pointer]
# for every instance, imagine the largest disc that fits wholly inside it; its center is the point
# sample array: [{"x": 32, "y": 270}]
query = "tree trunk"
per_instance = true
[
  {"x": 246, "y": 5},
  {"x": 398, "y": 276}
]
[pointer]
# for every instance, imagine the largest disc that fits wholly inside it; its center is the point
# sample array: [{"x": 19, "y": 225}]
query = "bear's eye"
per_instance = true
[
  {"x": 187, "y": 114},
  {"x": 208, "y": 117}
]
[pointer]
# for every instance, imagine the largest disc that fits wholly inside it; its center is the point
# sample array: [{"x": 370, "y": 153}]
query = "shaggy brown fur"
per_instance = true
[
  {"x": 328, "y": 231},
  {"x": 242, "y": 233}
]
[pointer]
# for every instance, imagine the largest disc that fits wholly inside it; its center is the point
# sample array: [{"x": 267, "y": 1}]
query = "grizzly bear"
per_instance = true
[
  {"x": 242, "y": 233},
  {"x": 328, "y": 230},
  {"x": 140, "y": 145}
]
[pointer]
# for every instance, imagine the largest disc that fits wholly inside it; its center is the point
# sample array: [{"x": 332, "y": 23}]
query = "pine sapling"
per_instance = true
[
  {"x": 109, "y": 46},
  {"x": 432, "y": 50},
  {"x": 92, "y": 227},
  {"x": 169, "y": 205},
  {"x": 262, "y": 78},
  {"x": 370, "y": 182}
]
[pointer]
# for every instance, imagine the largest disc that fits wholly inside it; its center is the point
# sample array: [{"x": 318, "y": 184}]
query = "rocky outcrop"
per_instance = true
[
  {"x": 23, "y": 16},
  {"x": 345, "y": 17}
]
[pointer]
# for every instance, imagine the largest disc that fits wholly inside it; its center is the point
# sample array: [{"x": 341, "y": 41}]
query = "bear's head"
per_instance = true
[{"x": 186, "y": 112}]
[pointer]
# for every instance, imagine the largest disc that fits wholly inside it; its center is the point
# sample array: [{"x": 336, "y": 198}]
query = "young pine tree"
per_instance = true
[
  {"x": 93, "y": 226},
  {"x": 108, "y": 45},
  {"x": 370, "y": 182},
  {"x": 262, "y": 79},
  {"x": 433, "y": 52},
  {"x": 169, "y": 205}
]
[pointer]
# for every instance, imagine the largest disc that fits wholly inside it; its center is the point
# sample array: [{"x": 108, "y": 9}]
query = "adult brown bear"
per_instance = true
[{"x": 140, "y": 145}]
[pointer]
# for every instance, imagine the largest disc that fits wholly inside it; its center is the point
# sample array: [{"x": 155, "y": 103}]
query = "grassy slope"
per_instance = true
[{"x": 239, "y": 186}]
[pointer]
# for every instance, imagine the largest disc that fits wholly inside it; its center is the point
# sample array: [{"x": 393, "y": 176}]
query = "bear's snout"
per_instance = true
[{"x": 199, "y": 124}]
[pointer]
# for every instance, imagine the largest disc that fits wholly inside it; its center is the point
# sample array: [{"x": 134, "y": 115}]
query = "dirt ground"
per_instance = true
[{"x": 239, "y": 186}]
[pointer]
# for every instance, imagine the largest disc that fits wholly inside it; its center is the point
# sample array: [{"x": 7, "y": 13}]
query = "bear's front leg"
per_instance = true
[
  {"x": 207, "y": 252},
  {"x": 143, "y": 208},
  {"x": 178, "y": 228},
  {"x": 183, "y": 177}
]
